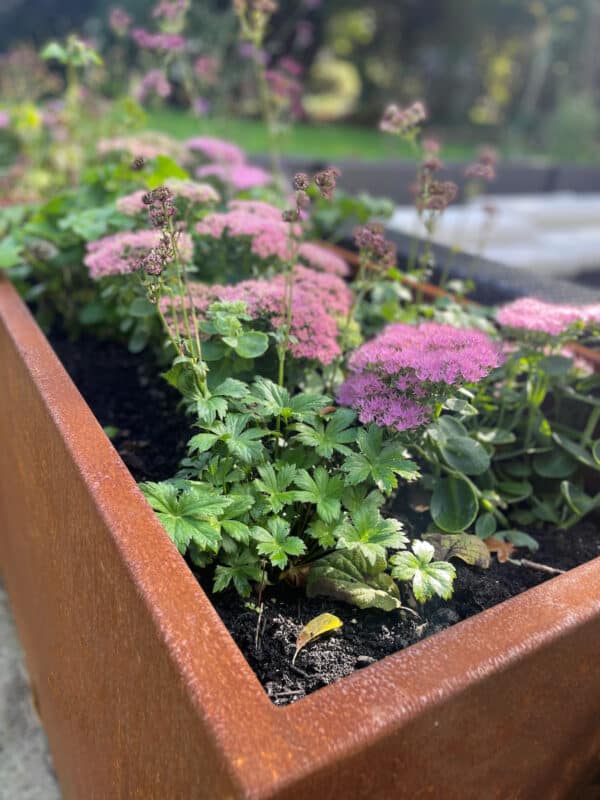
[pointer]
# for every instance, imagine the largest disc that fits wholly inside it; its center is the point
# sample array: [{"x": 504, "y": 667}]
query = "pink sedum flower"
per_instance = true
[
  {"x": 217, "y": 150},
  {"x": 154, "y": 82},
  {"x": 148, "y": 145},
  {"x": 323, "y": 259},
  {"x": 120, "y": 253},
  {"x": 269, "y": 235},
  {"x": 397, "y": 375},
  {"x": 162, "y": 42},
  {"x": 240, "y": 177},
  {"x": 531, "y": 314},
  {"x": 314, "y": 331}
]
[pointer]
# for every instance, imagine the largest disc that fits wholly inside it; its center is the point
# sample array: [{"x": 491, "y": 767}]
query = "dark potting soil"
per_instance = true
[{"x": 125, "y": 391}]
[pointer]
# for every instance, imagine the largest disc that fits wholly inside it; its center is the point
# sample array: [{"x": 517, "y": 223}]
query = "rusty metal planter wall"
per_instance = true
[{"x": 143, "y": 693}]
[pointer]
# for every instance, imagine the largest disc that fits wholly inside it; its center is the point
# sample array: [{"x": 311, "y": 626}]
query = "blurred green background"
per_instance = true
[{"x": 522, "y": 75}]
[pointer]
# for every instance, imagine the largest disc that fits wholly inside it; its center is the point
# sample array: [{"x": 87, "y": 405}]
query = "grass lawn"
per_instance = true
[{"x": 327, "y": 142}]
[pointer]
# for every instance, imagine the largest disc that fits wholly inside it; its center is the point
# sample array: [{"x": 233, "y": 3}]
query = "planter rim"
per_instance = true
[{"x": 272, "y": 746}]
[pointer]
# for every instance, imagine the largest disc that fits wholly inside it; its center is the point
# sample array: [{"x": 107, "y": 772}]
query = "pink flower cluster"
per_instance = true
[
  {"x": 149, "y": 145},
  {"x": 398, "y": 373},
  {"x": 170, "y": 9},
  {"x": 193, "y": 192},
  {"x": 154, "y": 82},
  {"x": 240, "y": 177},
  {"x": 314, "y": 331},
  {"x": 323, "y": 259},
  {"x": 262, "y": 224},
  {"x": 120, "y": 253},
  {"x": 216, "y": 150},
  {"x": 165, "y": 42},
  {"x": 531, "y": 314},
  {"x": 119, "y": 21}
]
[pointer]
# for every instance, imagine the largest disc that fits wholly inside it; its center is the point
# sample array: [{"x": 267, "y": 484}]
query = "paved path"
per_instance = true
[
  {"x": 555, "y": 235},
  {"x": 25, "y": 766}
]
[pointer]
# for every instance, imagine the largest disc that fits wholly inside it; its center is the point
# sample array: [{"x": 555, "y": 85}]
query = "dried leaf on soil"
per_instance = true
[
  {"x": 316, "y": 627},
  {"x": 470, "y": 549},
  {"x": 503, "y": 550}
]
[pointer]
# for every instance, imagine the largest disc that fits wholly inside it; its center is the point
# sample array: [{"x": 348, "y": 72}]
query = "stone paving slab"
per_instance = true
[{"x": 26, "y": 771}]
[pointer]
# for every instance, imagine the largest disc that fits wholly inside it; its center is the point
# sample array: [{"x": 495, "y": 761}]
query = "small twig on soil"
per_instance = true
[
  {"x": 288, "y": 693},
  {"x": 301, "y": 672},
  {"x": 524, "y": 562}
]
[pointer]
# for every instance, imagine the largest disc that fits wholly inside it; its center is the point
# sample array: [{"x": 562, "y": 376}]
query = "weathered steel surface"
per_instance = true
[{"x": 144, "y": 694}]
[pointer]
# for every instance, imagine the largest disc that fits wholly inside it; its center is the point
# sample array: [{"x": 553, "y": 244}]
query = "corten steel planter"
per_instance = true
[{"x": 144, "y": 694}]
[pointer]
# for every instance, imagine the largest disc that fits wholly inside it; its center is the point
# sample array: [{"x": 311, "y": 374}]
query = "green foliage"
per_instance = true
[{"x": 429, "y": 578}]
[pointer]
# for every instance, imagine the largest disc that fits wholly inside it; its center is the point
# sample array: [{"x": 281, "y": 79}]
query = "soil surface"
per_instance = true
[{"x": 126, "y": 391}]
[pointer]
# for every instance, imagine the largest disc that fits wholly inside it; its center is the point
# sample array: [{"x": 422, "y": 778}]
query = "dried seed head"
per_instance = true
[
  {"x": 290, "y": 215},
  {"x": 401, "y": 121},
  {"x": 138, "y": 163},
  {"x": 326, "y": 181},
  {"x": 301, "y": 181},
  {"x": 484, "y": 171}
]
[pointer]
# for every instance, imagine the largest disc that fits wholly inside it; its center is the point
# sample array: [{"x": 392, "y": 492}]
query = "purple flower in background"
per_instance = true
[
  {"x": 170, "y": 9},
  {"x": 249, "y": 51},
  {"x": 4, "y": 119},
  {"x": 172, "y": 42},
  {"x": 201, "y": 106},
  {"x": 305, "y": 35},
  {"x": 119, "y": 21},
  {"x": 240, "y": 176},
  {"x": 120, "y": 253},
  {"x": 153, "y": 82}
]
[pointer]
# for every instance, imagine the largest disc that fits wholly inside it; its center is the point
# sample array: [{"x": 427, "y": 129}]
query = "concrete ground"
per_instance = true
[
  {"x": 26, "y": 771},
  {"x": 553, "y": 235}
]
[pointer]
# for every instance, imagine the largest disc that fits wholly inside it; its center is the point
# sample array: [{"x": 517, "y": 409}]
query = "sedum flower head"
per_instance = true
[
  {"x": 121, "y": 253},
  {"x": 398, "y": 376},
  {"x": 531, "y": 314}
]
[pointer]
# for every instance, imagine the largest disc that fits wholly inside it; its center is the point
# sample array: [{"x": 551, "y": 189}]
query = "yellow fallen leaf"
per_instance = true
[{"x": 316, "y": 627}]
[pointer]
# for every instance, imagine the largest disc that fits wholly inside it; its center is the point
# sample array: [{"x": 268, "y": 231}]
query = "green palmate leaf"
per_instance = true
[
  {"x": 346, "y": 575},
  {"x": 328, "y": 436},
  {"x": 165, "y": 168},
  {"x": 239, "y": 569},
  {"x": 231, "y": 388},
  {"x": 189, "y": 514},
  {"x": 90, "y": 224},
  {"x": 370, "y": 534},
  {"x": 429, "y": 578},
  {"x": 322, "y": 490},
  {"x": 454, "y": 504},
  {"x": 241, "y": 442},
  {"x": 470, "y": 549},
  {"x": 323, "y": 532},
  {"x": 355, "y": 497},
  {"x": 10, "y": 253},
  {"x": 276, "y": 543},
  {"x": 272, "y": 400},
  {"x": 378, "y": 462},
  {"x": 273, "y": 483}
]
